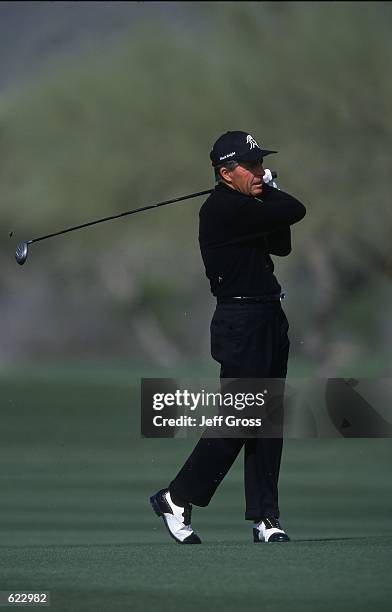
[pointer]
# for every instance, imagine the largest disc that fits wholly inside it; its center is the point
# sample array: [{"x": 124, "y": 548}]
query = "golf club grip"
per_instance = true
[{"x": 274, "y": 174}]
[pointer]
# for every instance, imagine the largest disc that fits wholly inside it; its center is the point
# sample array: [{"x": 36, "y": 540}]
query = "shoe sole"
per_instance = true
[{"x": 156, "y": 507}]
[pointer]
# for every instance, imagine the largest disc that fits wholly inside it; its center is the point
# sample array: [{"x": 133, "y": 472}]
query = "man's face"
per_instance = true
[{"x": 247, "y": 177}]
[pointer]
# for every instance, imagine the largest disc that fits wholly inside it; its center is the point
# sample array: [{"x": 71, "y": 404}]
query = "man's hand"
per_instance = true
[{"x": 268, "y": 179}]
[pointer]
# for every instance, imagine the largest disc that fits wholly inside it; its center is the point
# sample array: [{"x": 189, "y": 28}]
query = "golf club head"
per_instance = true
[{"x": 21, "y": 253}]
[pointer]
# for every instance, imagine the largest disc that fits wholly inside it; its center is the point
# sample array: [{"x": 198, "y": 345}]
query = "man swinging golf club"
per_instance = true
[{"x": 243, "y": 222}]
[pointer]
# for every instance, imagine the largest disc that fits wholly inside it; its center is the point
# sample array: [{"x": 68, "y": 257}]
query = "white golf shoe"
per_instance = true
[
  {"x": 269, "y": 530},
  {"x": 177, "y": 519}
]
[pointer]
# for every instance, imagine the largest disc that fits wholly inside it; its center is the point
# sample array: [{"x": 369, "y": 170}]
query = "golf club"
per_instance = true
[{"x": 22, "y": 249}]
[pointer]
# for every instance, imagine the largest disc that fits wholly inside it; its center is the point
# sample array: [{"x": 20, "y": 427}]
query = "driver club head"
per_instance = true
[{"x": 21, "y": 253}]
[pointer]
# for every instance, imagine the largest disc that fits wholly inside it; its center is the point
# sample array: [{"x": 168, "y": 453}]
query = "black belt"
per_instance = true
[{"x": 251, "y": 299}]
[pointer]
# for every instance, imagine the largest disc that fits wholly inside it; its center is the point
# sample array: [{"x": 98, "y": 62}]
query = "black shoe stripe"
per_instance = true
[{"x": 160, "y": 503}]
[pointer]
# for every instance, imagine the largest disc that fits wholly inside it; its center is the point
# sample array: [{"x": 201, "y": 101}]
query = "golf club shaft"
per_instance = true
[
  {"x": 129, "y": 212},
  {"x": 123, "y": 214}
]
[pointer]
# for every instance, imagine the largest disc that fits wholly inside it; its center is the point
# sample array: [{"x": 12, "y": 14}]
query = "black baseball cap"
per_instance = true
[{"x": 236, "y": 146}]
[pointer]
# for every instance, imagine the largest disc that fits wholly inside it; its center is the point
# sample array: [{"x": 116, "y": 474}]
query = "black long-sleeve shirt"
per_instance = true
[{"x": 237, "y": 235}]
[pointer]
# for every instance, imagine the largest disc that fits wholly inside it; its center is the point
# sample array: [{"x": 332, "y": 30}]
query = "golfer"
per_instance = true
[{"x": 244, "y": 221}]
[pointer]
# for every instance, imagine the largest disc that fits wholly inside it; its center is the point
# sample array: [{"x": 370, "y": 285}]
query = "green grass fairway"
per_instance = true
[{"x": 75, "y": 517}]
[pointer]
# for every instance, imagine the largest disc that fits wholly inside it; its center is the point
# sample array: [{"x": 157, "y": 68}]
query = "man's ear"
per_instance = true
[{"x": 225, "y": 174}]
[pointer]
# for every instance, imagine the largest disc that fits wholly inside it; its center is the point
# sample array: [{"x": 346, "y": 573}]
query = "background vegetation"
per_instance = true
[{"x": 127, "y": 120}]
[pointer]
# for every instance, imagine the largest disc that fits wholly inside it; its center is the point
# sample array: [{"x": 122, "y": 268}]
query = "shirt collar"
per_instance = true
[{"x": 223, "y": 189}]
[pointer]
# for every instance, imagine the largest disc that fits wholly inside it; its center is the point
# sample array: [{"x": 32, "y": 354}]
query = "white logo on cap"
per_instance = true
[
  {"x": 251, "y": 141},
  {"x": 226, "y": 156}
]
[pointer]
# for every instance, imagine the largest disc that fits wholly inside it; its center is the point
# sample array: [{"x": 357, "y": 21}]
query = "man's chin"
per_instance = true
[{"x": 257, "y": 190}]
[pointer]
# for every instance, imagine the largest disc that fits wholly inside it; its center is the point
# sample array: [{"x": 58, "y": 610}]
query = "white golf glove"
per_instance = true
[{"x": 268, "y": 179}]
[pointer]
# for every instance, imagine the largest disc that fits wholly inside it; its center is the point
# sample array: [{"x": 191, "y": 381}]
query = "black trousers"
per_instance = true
[{"x": 249, "y": 341}]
